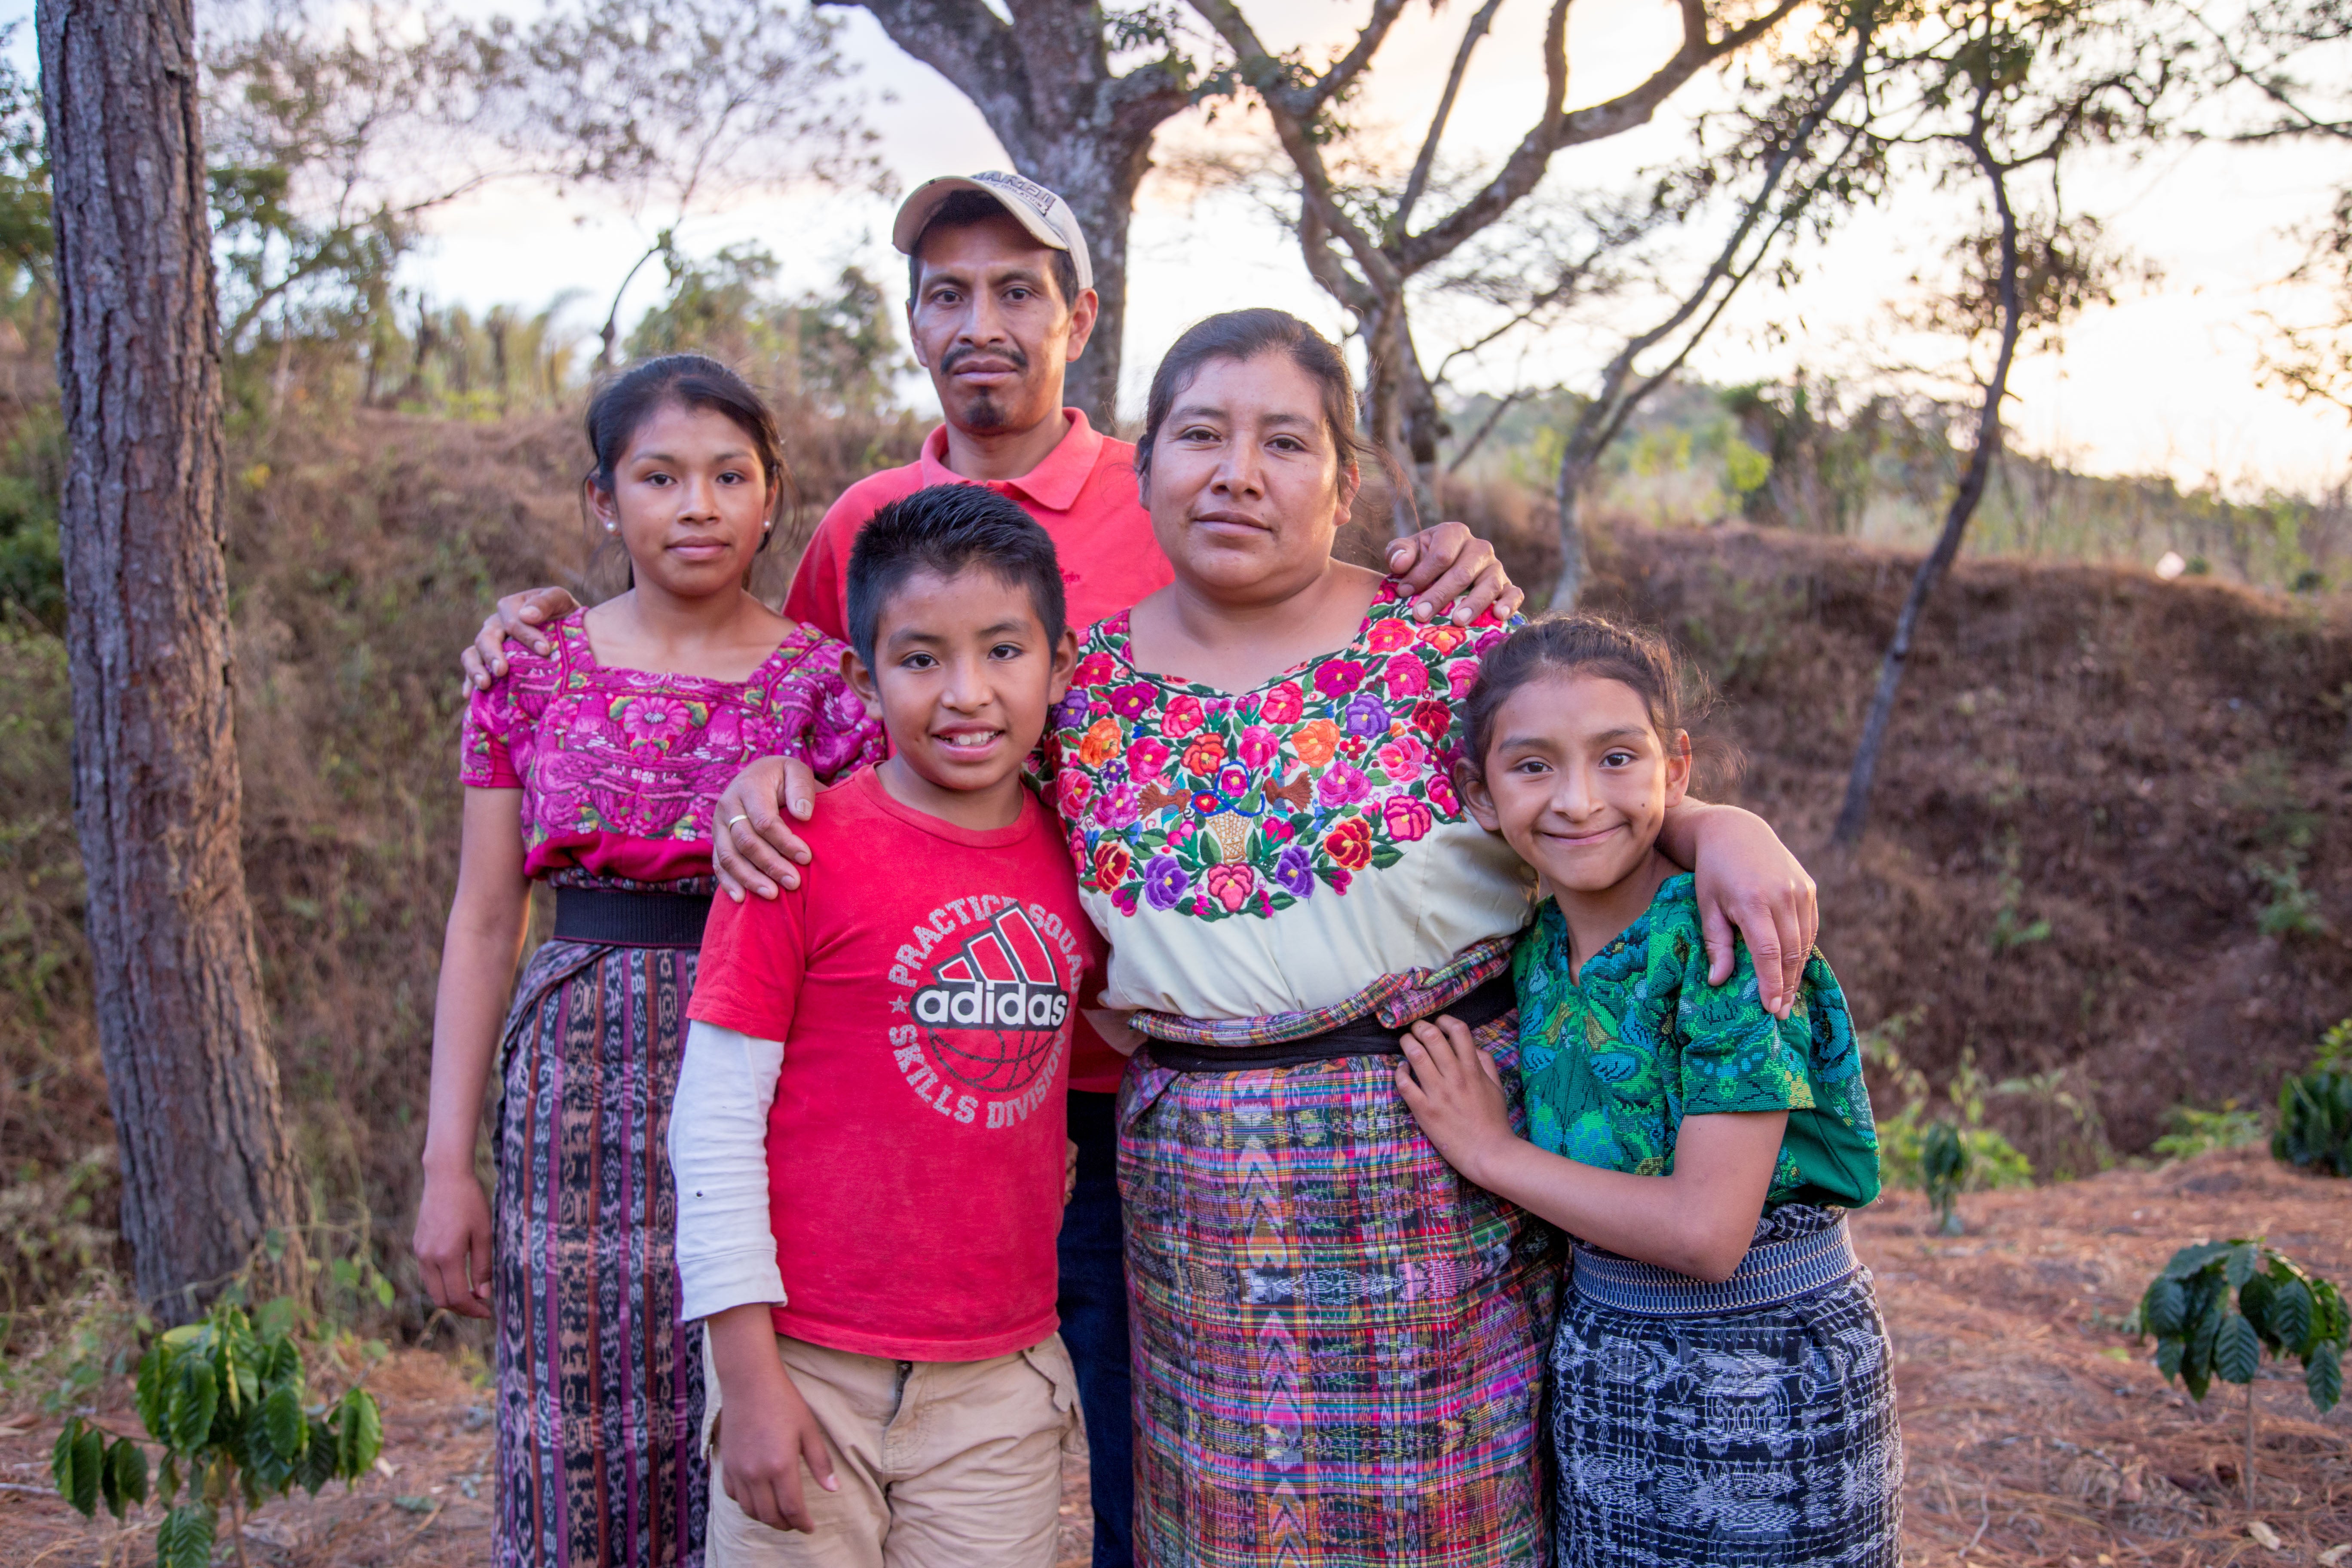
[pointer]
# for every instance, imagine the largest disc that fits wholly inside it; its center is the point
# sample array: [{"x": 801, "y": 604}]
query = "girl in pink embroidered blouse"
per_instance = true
[{"x": 595, "y": 768}]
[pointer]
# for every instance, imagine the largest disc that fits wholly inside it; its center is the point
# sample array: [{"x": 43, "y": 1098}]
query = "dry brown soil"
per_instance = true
[{"x": 2036, "y": 1434}]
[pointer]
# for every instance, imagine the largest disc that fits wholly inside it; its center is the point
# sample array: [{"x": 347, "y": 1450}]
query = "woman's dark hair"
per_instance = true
[
  {"x": 944, "y": 529},
  {"x": 1245, "y": 335},
  {"x": 622, "y": 404},
  {"x": 1676, "y": 693}
]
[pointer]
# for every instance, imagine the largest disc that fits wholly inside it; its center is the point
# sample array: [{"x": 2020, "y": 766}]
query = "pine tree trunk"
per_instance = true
[{"x": 209, "y": 1179}]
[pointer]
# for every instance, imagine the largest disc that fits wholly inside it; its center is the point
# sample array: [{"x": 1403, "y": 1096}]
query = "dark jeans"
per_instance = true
[{"x": 1093, "y": 1305}]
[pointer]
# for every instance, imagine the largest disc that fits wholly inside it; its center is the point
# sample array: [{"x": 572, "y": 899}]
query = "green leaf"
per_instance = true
[
  {"x": 2243, "y": 1258},
  {"x": 2189, "y": 1259},
  {"x": 318, "y": 1458},
  {"x": 282, "y": 1425},
  {"x": 2238, "y": 1352},
  {"x": 185, "y": 1540},
  {"x": 382, "y": 1291},
  {"x": 2323, "y": 1377},
  {"x": 359, "y": 1434},
  {"x": 188, "y": 1416},
  {"x": 167, "y": 1480},
  {"x": 89, "y": 1462},
  {"x": 2167, "y": 1357},
  {"x": 2291, "y": 1315},
  {"x": 148, "y": 1389},
  {"x": 127, "y": 1462},
  {"x": 61, "y": 1456},
  {"x": 2164, "y": 1308}
]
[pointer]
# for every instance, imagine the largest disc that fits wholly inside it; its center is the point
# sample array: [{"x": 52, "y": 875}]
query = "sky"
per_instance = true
[{"x": 2166, "y": 381}]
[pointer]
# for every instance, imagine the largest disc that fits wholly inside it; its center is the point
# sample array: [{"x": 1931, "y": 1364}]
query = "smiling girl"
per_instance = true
[
  {"x": 594, "y": 768},
  {"x": 1720, "y": 1373}
]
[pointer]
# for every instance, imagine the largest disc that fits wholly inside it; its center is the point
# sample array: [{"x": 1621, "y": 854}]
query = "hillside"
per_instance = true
[{"x": 2109, "y": 848}]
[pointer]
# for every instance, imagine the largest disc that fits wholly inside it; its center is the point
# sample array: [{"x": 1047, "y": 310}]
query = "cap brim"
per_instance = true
[{"x": 916, "y": 210}]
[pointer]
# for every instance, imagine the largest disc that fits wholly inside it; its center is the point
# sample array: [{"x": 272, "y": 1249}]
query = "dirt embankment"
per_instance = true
[{"x": 2097, "y": 790}]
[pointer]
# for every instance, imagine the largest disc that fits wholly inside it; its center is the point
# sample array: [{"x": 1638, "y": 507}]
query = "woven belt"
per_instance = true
[
  {"x": 1363, "y": 1037},
  {"x": 1774, "y": 1272},
  {"x": 614, "y": 917}
]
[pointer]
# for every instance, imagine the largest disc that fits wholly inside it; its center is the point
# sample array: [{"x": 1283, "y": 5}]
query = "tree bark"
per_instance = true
[
  {"x": 209, "y": 1177},
  {"x": 1044, "y": 84}
]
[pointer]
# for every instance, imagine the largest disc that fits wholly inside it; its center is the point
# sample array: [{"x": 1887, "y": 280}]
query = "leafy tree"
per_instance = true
[
  {"x": 2280, "y": 1306},
  {"x": 228, "y": 1404}
]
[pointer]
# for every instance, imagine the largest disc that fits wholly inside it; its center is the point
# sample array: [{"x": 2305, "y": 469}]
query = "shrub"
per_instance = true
[
  {"x": 227, "y": 1403},
  {"x": 2190, "y": 1132},
  {"x": 2281, "y": 1307},
  {"x": 2315, "y": 1131}
]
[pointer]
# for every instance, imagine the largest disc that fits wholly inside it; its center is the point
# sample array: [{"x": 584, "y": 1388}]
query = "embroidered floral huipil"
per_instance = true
[
  {"x": 1278, "y": 851},
  {"x": 619, "y": 768}
]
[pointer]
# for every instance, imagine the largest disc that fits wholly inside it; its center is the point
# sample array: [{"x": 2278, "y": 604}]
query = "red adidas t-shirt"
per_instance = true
[
  {"x": 1084, "y": 495},
  {"x": 924, "y": 989}
]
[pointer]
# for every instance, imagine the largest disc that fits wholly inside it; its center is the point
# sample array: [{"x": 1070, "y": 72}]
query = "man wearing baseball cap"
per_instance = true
[{"x": 1000, "y": 300}]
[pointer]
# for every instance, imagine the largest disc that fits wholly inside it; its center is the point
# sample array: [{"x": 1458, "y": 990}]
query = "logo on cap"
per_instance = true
[{"x": 1029, "y": 191}]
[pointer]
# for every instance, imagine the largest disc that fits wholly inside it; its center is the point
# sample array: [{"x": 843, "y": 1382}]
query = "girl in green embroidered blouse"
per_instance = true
[{"x": 1665, "y": 1113}]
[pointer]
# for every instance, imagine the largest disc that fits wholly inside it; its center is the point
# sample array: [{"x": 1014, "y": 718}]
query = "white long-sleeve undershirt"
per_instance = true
[{"x": 718, "y": 1157}]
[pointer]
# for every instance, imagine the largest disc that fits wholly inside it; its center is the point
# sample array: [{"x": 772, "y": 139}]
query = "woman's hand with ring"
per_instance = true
[{"x": 756, "y": 849}]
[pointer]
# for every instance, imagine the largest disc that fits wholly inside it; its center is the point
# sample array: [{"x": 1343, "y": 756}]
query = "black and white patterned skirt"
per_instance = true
[{"x": 1753, "y": 1438}]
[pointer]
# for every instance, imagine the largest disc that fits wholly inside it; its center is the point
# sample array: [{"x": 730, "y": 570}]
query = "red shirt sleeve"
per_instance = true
[{"x": 753, "y": 956}]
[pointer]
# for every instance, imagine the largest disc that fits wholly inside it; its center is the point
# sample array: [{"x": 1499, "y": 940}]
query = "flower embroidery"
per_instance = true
[
  {"x": 1365, "y": 716},
  {"x": 1205, "y": 755},
  {"x": 652, "y": 722},
  {"x": 1164, "y": 882},
  {"x": 1216, "y": 806},
  {"x": 1100, "y": 742},
  {"x": 1230, "y": 885},
  {"x": 1145, "y": 758},
  {"x": 1350, "y": 844},
  {"x": 1407, "y": 818},
  {"x": 1315, "y": 742}
]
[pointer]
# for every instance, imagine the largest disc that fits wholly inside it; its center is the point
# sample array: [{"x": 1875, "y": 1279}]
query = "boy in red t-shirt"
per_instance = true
[{"x": 868, "y": 1134}]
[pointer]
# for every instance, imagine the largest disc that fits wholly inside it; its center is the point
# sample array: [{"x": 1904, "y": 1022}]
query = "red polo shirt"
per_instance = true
[{"x": 1083, "y": 496}]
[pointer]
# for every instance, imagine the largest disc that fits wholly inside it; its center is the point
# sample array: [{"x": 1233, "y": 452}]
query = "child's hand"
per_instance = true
[
  {"x": 1456, "y": 1094},
  {"x": 1069, "y": 1172},
  {"x": 453, "y": 1244},
  {"x": 762, "y": 1443}
]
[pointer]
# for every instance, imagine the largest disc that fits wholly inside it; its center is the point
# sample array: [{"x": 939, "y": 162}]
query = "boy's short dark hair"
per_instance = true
[{"x": 945, "y": 529}]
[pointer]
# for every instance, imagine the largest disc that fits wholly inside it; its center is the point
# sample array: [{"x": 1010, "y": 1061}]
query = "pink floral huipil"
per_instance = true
[{"x": 619, "y": 769}]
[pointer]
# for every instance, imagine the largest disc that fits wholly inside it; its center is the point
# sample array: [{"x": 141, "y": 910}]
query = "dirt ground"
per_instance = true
[{"x": 2037, "y": 1435}]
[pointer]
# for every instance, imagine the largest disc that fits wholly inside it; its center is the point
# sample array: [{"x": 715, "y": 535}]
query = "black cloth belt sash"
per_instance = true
[
  {"x": 615, "y": 917},
  {"x": 1362, "y": 1037}
]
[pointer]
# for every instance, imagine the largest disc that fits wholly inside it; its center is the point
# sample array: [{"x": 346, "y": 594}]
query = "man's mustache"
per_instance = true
[{"x": 1011, "y": 353}]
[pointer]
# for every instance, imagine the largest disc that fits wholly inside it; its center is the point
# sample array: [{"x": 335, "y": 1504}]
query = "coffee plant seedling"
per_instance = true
[
  {"x": 2281, "y": 1307},
  {"x": 226, "y": 1403},
  {"x": 2315, "y": 1131},
  {"x": 1943, "y": 1171}
]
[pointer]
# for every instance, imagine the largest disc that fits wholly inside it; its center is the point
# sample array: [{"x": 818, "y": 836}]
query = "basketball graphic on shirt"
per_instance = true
[{"x": 993, "y": 1008}]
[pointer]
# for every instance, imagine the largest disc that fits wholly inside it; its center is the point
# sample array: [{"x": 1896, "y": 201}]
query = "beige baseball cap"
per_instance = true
[{"x": 1045, "y": 216}]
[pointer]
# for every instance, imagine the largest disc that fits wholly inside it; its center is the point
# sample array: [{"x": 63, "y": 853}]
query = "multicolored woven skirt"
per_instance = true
[
  {"x": 599, "y": 1398},
  {"x": 1339, "y": 1343},
  {"x": 1764, "y": 1437}
]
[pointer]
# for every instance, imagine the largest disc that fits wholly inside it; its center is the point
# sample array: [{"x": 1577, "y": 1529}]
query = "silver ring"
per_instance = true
[{"x": 744, "y": 817}]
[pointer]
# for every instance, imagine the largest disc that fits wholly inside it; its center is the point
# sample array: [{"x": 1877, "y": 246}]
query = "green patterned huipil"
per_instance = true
[{"x": 1615, "y": 1059}]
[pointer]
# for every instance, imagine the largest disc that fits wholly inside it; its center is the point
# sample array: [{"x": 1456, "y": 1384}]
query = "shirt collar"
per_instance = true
[{"x": 1054, "y": 484}]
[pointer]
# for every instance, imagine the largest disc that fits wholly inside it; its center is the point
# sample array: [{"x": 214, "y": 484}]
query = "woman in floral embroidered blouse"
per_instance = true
[
  {"x": 1337, "y": 1341},
  {"x": 595, "y": 769}
]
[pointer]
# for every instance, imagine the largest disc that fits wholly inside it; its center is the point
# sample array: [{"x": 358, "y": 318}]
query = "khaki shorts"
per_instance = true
[{"x": 942, "y": 1464}]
